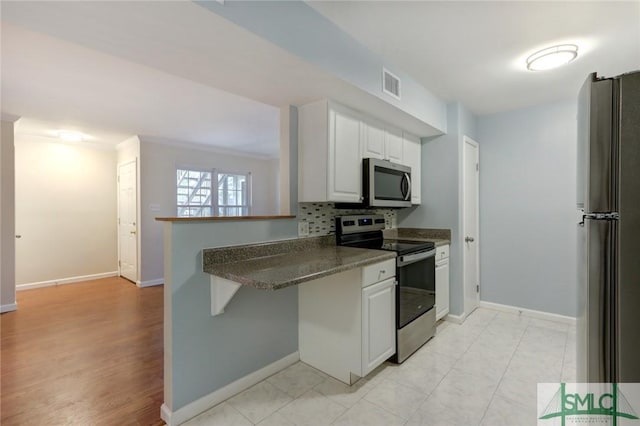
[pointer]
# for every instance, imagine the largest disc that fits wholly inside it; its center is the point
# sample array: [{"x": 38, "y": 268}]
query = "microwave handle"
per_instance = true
[{"x": 407, "y": 194}]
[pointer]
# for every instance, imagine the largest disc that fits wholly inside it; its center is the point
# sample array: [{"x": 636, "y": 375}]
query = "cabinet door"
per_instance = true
[
  {"x": 393, "y": 145},
  {"x": 442, "y": 289},
  {"x": 378, "y": 324},
  {"x": 372, "y": 140},
  {"x": 345, "y": 160},
  {"x": 412, "y": 158}
]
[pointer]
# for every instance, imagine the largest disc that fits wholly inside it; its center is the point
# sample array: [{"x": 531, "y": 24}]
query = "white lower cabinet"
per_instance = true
[
  {"x": 378, "y": 324},
  {"x": 346, "y": 324},
  {"x": 442, "y": 281}
]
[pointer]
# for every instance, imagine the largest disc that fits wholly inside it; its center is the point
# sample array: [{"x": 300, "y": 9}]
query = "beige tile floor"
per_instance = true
[{"x": 483, "y": 372}]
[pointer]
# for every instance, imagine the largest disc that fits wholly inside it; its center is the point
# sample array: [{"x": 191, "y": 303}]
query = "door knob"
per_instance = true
[
  {"x": 18, "y": 236},
  {"x": 468, "y": 239},
  {"x": 133, "y": 232}
]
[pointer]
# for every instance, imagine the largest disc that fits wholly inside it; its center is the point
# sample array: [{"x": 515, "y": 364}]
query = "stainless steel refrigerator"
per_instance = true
[{"x": 608, "y": 193}]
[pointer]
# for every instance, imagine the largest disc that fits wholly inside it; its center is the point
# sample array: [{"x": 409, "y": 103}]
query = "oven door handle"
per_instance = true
[{"x": 412, "y": 258}]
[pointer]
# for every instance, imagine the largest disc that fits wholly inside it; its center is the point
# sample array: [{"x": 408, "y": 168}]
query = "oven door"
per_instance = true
[{"x": 416, "y": 275}]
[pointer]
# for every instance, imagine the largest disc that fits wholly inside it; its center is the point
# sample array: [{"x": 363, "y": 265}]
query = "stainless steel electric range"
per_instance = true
[{"x": 415, "y": 275}]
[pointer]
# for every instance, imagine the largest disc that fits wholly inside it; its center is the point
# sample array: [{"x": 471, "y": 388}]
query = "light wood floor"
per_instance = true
[{"x": 89, "y": 353}]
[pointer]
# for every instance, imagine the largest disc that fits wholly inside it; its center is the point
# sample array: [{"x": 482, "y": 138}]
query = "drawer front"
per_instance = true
[
  {"x": 442, "y": 252},
  {"x": 378, "y": 272}
]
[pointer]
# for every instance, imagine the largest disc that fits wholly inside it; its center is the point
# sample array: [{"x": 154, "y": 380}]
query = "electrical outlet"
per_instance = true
[{"x": 303, "y": 229}]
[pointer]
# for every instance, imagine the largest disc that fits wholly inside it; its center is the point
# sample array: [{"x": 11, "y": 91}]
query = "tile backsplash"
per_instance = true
[{"x": 321, "y": 217}]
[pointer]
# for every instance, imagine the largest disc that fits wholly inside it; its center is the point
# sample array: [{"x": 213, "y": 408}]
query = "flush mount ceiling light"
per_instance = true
[
  {"x": 552, "y": 57},
  {"x": 70, "y": 136}
]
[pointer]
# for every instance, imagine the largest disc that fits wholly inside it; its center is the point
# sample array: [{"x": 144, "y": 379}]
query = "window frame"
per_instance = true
[
  {"x": 193, "y": 169},
  {"x": 214, "y": 201},
  {"x": 215, "y": 198}
]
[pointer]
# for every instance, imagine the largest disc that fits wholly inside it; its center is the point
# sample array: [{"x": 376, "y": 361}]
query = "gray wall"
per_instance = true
[
  {"x": 293, "y": 160},
  {"x": 158, "y": 164},
  {"x": 321, "y": 42},
  {"x": 7, "y": 219},
  {"x": 64, "y": 192},
  {"x": 257, "y": 328},
  {"x": 440, "y": 208},
  {"x": 527, "y": 208},
  {"x": 288, "y": 161}
]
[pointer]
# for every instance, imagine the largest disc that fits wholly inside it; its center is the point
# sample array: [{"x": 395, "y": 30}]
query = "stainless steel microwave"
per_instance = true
[{"x": 385, "y": 184}]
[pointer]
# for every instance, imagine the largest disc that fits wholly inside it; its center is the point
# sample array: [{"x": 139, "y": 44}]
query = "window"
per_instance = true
[
  {"x": 233, "y": 197},
  {"x": 194, "y": 193},
  {"x": 196, "y": 197}
]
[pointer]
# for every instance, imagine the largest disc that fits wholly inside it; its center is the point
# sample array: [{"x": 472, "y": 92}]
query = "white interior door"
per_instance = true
[
  {"x": 470, "y": 241},
  {"x": 127, "y": 216}
]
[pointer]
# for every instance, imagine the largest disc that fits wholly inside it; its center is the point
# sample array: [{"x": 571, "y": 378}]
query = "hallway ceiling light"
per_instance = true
[
  {"x": 70, "y": 136},
  {"x": 552, "y": 57}
]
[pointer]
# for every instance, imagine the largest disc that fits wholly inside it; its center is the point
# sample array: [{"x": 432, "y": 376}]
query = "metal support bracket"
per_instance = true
[{"x": 222, "y": 291}]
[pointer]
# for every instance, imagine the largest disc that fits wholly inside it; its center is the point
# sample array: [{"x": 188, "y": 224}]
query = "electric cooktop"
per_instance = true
[{"x": 404, "y": 246}]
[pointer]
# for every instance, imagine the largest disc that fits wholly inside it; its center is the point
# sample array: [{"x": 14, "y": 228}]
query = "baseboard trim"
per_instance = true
[
  {"x": 150, "y": 283},
  {"x": 529, "y": 312},
  {"x": 165, "y": 414},
  {"x": 69, "y": 280},
  {"x": 9, "y": 307},
  {"x": 216, "y": 397},
  {"x": 457, "y": 319}
]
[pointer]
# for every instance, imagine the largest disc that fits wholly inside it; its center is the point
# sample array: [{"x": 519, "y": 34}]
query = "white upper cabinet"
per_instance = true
[
  {"x": 412, "y": 158},
  {"x": 345, "y": 169},
  {"x": 393, "y": 145},
  {"x": 329, "y": 153},
  {"x": 333, "y": 140},
  {"x": 373, "y": 139},
  {"x": 382, "y": 142}
]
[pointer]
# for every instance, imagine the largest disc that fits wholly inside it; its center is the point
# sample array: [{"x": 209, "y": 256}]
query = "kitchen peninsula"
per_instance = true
[
  {"x": 210, "y": 358},
  {"x": 280, "y": 264},
  {"x": 346, "y": 297}
]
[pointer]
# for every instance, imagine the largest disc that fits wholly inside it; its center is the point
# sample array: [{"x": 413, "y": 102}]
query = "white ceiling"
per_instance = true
[
  {"x": 57, "y": 85},
  {"x": 172, "y": 70},
  {"x": 474, "y": 52},
  {"x": 168, "y": 70}
]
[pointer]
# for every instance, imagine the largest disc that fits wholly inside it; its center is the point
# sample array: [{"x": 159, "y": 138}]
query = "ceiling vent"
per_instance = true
[{"x": 390, "y": 84}]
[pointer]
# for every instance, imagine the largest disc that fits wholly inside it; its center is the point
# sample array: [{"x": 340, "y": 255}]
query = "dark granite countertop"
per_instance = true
[
  {"x": 440, "y": 237},
  {"x": 281, "y": 264}
]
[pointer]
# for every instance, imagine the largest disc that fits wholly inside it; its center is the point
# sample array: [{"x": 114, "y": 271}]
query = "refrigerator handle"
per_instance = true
[
  {"x": 600, "y": 295},
  {"x": 601, "y": 216},
  {"x": 611, "y": 298},
  {"x": 596, "y": 216}
]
